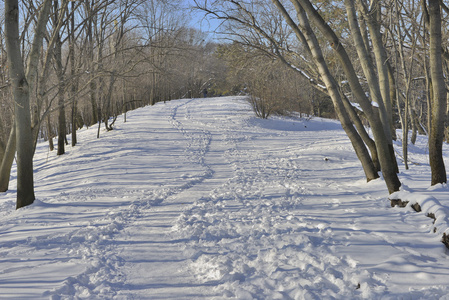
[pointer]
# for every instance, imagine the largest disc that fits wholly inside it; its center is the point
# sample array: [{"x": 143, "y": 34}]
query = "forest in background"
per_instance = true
[{"x": 113, "y": 56}]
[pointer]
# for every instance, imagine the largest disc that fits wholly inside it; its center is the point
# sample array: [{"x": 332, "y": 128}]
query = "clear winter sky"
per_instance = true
[{"x": 199, "y": 20}]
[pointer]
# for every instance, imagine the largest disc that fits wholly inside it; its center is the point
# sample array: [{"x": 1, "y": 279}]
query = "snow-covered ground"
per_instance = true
[{"x": 198, "y": 199}]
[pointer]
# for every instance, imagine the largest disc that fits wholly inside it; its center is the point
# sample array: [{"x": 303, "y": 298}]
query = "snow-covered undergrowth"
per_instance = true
[{"x": 198, "y": 199}]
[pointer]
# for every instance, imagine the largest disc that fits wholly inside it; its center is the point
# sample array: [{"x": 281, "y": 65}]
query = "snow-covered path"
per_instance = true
[
  {"x": 197, "y": 199},
  {"x": 168, "y": 278}
]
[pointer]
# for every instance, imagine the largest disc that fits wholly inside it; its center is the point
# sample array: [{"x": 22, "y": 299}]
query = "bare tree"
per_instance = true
[
  {"x": 20, "y": 90},
  {"x": 404, "y": 69},
  {"x": 311, "y": 24},
  {"x": 439, "y": 99}
]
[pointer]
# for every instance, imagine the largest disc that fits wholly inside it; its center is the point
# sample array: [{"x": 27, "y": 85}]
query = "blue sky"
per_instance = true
[{"x": 199, "y": 20}]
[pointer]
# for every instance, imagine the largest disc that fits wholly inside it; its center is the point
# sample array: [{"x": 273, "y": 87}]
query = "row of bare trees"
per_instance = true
[
  {"x": 68, "y": 64},
  {"x": 388, "y": 58}
]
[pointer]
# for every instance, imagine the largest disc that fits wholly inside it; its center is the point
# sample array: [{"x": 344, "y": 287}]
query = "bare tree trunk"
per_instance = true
[
  {"x": 415, "y": 124},
  {"x": 429, "y": 92},
  {"x": 50, "y": 134},
  {"x": 90, "y": 50},
  {"x": 388, "y": 165},
  {"x": 357, "y": 143},
  {"x": 61, "y": 121},
  {"x": 2, "y": 143},
  {"x": 60, "y": 74},
  {"x": 363, "y": 134},
  {"x": 8, "y": 159},
  {"x": 24, "y": 138},
  {"x": 72, "y": 73},
  {"x": 404, "y": 123},
  {"x": 392, "y": 99},
  {"x": 407, "y": 79},
  {"x": 379, "y": 85},
  {"x": 439, "y": 96},
  {"x": 108, "y": 100},
  {"x": 381, "y": 59},
  {"x": 342, "y": 107},
  {"x": 21, "y": 133}
]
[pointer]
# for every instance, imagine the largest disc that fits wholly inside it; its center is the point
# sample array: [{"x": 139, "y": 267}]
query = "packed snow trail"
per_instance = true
[{"x": 198, "y": 199}]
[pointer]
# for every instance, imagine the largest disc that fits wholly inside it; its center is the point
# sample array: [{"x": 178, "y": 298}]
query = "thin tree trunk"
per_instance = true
[
  {"x": 407, "y": 73},
  {"x": 414, "y": 122},
  {"x": 404, "y": 124},
  {"x": 50, "y": 134},
  {"x": 72, "y": 73},
  {"x": 393, "y": 99},
  {"x": 107, "y": 113},
  {"x": 8, "y": 159},
  {"x": 90, "y": 47},
  {"x": 60, "y": 73}
]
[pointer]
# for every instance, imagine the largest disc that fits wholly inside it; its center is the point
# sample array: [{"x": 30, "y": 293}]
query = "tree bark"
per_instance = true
[
  {"x": 362, "y": 132},
  {"x": 439, "y": 96},
  {"x": 415, "y": 125},
  {"x": 74, "y": 115},
  {"x": 24, "y": 138},
  {"x": 60, "y": 74},
  {"x": 392, "y": 99},
  {"x": 8, "y": 159},
  {"x": 91, "y": 63},
  {"x": 21, "y": 95}
]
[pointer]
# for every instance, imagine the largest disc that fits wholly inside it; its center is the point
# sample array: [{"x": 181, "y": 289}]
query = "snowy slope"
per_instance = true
[{"x": 197, "y": 199}]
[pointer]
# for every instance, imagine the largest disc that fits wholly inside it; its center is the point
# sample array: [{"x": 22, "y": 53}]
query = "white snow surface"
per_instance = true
[{"x": 198, "y": 199}]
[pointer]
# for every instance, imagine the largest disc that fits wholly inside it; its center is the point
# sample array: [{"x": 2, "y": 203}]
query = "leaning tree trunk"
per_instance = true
[
  {"x": 8, "y": 159},
  {"x": 332, "y": 87},
  {"x": 387, "y": 162},
  {"x": 379, "y": 85},
  {"x": 381, "y": 59},
  {"x": 439, "y": 96},
  {"x": 308, "y": 38},
  {"x": 361, "y": 130}
]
